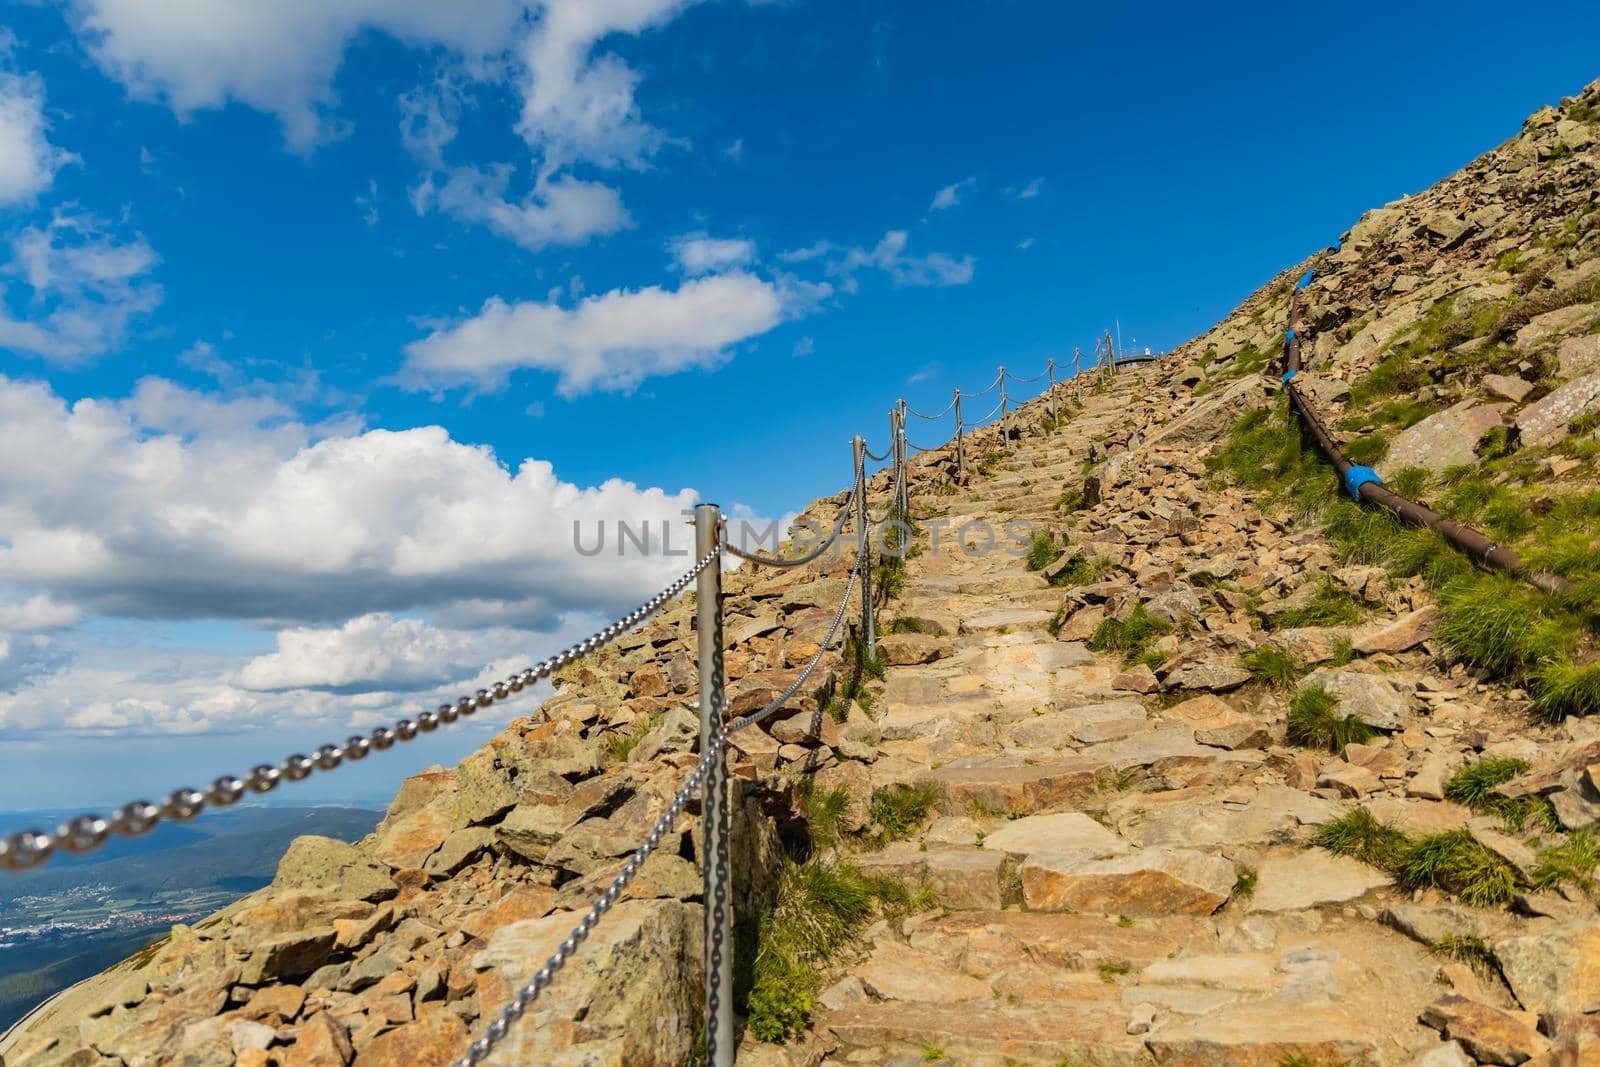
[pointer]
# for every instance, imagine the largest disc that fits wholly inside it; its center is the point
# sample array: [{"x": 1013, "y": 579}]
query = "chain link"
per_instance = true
[
  {"x": 933, "y": 418},
  {"x": 1027, "y": 381},
  {"x": 985, "y": 390},
  {"x": 86, "y": 833}
]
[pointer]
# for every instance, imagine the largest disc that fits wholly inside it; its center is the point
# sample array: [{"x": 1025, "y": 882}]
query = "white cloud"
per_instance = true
[
  {"x": 28, "y": 161},
  {"x": 950, "y": 195},
  {"x": 277, "y": 57},
  {"x": 378, "y": 652},
  {"x": 610, "y": 341},
  {"x": 1025, "y": 244},
  {"x": 559, "y": 211},
  {"x": 36, "y": 613},
  {"x": 169, "y": 504},
  {"x": 87, "y": 287},
  {"x": 1025, "y": 192},
  {"x": 805, "y": 346},
  {"x": 578, "y": 107},
  {"x": 695, "y": 253},
  {"x": 889, "y": 256}
]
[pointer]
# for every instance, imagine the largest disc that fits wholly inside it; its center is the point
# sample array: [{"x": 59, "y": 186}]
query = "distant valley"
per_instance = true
[{"x": 76, "y": 916}]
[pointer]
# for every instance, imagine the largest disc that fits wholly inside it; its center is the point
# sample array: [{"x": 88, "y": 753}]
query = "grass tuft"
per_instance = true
[
  {"x": 1042, "y": 550},
  {"x": 1130, "y": 636},
  {"x": 899, "y": 809},
  {"x": 1274, "y": 665},
  {"x": 1361, "y": 836},
  {"x": 1314, "y": 722},
  {"x": 820, "y": 908},
  {"x": 1573, "y": 862}
]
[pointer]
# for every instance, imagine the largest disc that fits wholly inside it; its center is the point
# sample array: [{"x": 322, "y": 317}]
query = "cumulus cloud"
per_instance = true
[
  {"x": 377, "y": 652},
  {"x": 86, "y": 287},
  {"x": 279, "y": 58},
  {"x": 558, "y": 211},
  {"x": 28, "y": 161},
  {"x": 579, "y": 107},
  {"x": 695, "y": 253},
  {"x": 172, "y": 505},
  {"x": 950, "y": 195},
  {"x": 610, "y": 341}
]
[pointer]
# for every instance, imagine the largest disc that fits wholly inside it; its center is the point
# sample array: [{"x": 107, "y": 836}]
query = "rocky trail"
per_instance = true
[
  {"x": 1205, "y": 767},
  {"x": 1126, "y": 877}
]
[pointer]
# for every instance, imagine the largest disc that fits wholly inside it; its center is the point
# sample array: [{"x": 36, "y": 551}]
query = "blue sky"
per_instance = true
[{"x": 320, "y": 324}]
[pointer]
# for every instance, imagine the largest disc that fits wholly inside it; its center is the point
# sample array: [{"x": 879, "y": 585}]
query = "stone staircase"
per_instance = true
[{"x": 1122, "y": 870}]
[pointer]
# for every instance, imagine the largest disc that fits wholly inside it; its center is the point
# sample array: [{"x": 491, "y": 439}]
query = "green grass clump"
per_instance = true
[
  {"x": 1332, "y": 606},
  {"x": 1467, "y": 948},
  {"x": 1475, "y": 785},
  {"x": 1244, "y": 884},
  {"x": 1273, "y": 665},
  {"x": 1130, "y": 636},
  {"x": 1497, "y": 623},
  {"x": 1082, "y": 570},
  {"x": 905, "y": 625},
  {"x": 1314, "y": 722},
  {"x": 825, "y": 811},
  {"x": 1573, "y": 862},
  {"x": 820, "y": 908},
  {"x": 900, "y": 808},
  {"x": 1455, "y": 862},
  {"x": 619, "y": 746},
  {"x": 1361, "y": 836},
  {"x": 1367, "y": 449},
  {"x": 1409, "y": 482},
  {"x": 1560, "y": 689},
  {"x": 1070, "y": 500},
  {"x": 1042, "y": 551}
]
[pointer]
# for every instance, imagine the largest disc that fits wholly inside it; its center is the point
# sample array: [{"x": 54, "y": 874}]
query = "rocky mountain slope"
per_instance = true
[{"x": 1223, "y": 770}]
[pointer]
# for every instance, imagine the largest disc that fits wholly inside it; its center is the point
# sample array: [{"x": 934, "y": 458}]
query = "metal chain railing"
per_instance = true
[{"x": 86, "y": 833}]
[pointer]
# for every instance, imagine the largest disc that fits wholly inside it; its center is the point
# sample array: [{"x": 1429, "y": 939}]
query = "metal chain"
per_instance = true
[
  {"x": 524, "y": 998},
  {"x": 931, "y": 418},
  {"x": 798, "y": 561},
  {"x": 919, "y": 448},
  {"x": 1027, "y": 381},
  {"x": 874, "y": 456},
  {"x": 783, "y": 698},
  {"x": 716, "y": 951},
  {"x": 86, "y": 833},
  {"x": 986, "y": 389},
  {"x": 992, "y": 412}
]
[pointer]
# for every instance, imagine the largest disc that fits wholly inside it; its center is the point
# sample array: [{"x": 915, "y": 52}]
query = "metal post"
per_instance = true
[
  {"x": 961, "y": 444},
  {"x": 1051, "y": 367},
  {"x": 905, "y": 466},
  {"x": 1005, "y": 415},
  {"x": 858, "y": 448},
  {"x": 718, "y": 893}
]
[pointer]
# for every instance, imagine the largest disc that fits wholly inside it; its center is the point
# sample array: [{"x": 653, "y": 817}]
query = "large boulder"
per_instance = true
[
  {"x": 313, "y": 864},
  {"x": 1369, "y": 697},
  {"x": 1147, "y": 882},
  {"x": 630, "y": 996},
  {"x": 1448, "y": 438},
  {"x": 1546, "y": 421}
]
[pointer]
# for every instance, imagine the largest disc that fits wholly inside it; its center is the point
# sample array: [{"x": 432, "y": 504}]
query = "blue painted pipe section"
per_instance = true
[{"x": 1356, "y": 477}]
